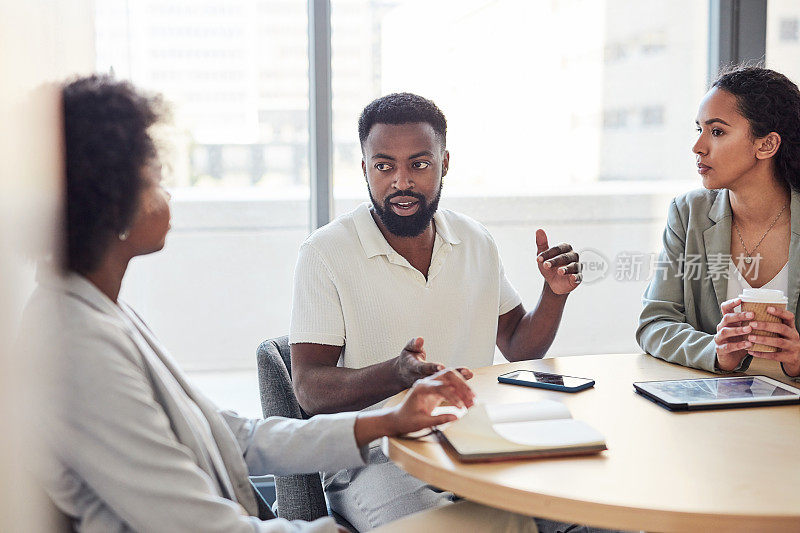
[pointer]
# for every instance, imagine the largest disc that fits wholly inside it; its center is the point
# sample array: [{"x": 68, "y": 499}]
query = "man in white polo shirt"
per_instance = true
[{"x": 400, "y": 269}]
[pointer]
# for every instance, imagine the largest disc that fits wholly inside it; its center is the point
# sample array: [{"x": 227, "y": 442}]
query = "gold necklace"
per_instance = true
[{"x": 748, "y": 256}]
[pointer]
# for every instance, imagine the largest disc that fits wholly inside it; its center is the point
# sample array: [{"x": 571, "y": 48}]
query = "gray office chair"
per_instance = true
[{"x": 299, "y": 497}]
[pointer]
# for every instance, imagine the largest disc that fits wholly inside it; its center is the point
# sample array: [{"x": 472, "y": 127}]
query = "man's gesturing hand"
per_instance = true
[
  {"x": 411, "y": 363},
  {"x": 559, "y": 265}
]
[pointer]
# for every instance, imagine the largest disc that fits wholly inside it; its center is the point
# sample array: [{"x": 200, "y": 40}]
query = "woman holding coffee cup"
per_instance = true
[{"x": 729, "y": 273}]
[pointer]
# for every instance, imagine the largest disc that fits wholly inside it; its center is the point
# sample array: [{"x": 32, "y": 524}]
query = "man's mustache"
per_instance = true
[{"x": 412, "y": 194}]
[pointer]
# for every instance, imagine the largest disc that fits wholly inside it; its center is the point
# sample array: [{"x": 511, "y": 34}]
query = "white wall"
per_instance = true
[
  {"x": 224, "y": 281},
  {"x": 40, "y": 41}
]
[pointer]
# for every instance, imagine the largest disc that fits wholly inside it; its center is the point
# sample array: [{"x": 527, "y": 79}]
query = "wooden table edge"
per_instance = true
[{"x": 578, "y": 511}]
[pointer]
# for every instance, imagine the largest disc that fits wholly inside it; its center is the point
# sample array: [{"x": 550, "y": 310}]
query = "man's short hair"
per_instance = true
[{"x": 401, "y": 108}]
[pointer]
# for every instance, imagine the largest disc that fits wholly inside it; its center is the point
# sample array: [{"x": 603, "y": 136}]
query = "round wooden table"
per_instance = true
[{"x": 726, "y": 470}]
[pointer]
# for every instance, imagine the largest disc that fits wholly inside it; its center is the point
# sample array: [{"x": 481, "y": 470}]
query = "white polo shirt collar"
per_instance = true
[{"x": 374, "y": 243}]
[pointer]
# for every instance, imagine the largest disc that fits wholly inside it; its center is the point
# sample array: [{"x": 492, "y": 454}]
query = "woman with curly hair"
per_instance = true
[
  {"x": 741, "y": 231},
  {"x": 133, "y": 446}
]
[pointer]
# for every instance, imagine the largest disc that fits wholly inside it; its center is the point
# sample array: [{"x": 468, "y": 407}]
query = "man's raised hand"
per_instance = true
[{"x": 559, "y": 265}]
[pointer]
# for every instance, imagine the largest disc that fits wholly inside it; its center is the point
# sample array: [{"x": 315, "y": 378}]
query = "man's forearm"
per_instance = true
[
  {"x": 333, "y": 389},
  {"x": 537, "y": 329}
]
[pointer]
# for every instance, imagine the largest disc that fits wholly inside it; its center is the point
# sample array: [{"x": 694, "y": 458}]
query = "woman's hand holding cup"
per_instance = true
[
  {"x": 786, "y": 343},
  {"x": 731, "y": 341}
]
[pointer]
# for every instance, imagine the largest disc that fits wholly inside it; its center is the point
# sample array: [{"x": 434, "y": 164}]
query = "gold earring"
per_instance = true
[{"x": 123, "y": 236}]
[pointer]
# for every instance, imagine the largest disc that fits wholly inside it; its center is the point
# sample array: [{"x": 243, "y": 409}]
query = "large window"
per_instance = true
[
  {"x": 783, "y": 37},
  {"x": 236, "y": 74},
  {"x": 236, "y": 160},
  {"x": 540, "y": 96},
  {"x": 572, "y": 115},
  {"x": 576, "y": 116}
]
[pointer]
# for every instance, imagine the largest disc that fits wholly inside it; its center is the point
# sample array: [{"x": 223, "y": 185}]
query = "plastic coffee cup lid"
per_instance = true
[{"x": 770, "y": 296}]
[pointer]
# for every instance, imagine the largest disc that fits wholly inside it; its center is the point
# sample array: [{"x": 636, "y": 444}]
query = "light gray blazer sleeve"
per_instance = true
[
  {"x": 285, "y": 446},
  {"x": 663, "y": 329},
  {"x": 126, "y": 461}
]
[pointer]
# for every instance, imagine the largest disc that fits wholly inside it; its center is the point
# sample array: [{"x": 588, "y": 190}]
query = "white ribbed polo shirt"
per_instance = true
[{"x": 352, "y": 289}]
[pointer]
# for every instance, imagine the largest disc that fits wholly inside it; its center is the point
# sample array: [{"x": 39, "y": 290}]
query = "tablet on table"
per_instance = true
[{"x": 718, "y": 393}]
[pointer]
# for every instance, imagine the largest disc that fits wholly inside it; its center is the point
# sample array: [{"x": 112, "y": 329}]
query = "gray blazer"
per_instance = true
[
  {"x": 681, "y": 312},
  {"x": 133, "y": 446}
]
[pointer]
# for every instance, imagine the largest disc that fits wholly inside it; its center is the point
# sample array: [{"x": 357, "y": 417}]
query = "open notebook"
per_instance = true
[{"x": 518, "y": 430}]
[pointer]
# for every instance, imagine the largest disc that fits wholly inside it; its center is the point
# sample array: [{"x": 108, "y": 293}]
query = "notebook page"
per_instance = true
[
  {"x": 550, "y": 433},
  {"x": 527, "y": 411}
]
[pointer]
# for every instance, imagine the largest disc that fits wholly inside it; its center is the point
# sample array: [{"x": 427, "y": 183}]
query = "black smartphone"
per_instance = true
[{"x": 545, "y": 380}]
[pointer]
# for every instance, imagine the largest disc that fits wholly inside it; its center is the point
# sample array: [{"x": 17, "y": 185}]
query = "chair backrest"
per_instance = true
[{"x": 300, "y": 497}]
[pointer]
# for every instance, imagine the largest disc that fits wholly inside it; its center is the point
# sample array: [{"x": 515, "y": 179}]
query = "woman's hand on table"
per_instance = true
[
  {"x": 731, "y": 341},
  {"x": 414, "y": 412},
  {"x": 787, "y": 342}
]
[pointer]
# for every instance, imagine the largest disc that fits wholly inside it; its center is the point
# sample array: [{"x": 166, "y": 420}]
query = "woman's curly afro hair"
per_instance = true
[{"x": 106, "y": 124}]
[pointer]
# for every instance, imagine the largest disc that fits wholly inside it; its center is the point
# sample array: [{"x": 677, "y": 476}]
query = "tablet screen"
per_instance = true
[{"x": 718, "y": 390}]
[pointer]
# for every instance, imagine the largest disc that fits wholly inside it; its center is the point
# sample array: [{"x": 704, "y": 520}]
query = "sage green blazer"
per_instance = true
[{"x": 681, "y": 312}]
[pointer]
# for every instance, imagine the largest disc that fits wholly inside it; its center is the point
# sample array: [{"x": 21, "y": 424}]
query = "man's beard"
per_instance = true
[{"x": 411, "y": 225}]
